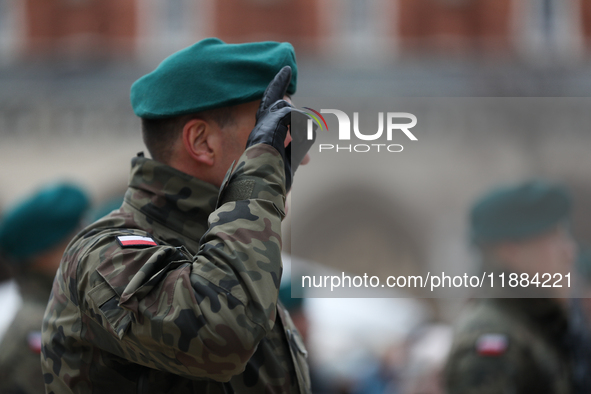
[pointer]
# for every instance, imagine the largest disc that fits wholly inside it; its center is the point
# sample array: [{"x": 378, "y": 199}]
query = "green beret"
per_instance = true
[
  {"x": 211, "y": 74},
  {"x": 519, "y": 212},
  {"x": 41, "y": 221}
]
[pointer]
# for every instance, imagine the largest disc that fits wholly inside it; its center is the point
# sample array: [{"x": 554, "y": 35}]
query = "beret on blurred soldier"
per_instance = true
[
  {"x": 41, "y": 221},
  {"x": 519, "y": 212},
  {"x": 211, "y": 74}
]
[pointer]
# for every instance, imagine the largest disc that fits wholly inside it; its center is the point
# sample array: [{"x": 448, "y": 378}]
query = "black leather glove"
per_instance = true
[{"x": 274, "y": 118}]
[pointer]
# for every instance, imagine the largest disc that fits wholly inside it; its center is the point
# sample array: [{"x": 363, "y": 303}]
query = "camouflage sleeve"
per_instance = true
[
  {"x": 195, "y": 316},
  {"x": 515, "y": 369}
]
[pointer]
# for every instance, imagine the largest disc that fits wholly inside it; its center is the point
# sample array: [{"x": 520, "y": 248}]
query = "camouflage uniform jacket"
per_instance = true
[
  {"x": 509, "y": 345},
  {"x": 20, "y": 366},
  {"x": 197, "y": 313}
]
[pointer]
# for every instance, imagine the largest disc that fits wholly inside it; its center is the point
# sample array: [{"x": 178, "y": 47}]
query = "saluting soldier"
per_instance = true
[
  {"x": 33, "y": 236},
  {"x": 176, "y": 292},
  {"x": 519, "y": 345}
]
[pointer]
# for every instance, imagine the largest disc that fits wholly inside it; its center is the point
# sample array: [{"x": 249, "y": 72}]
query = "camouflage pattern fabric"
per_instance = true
[
  {"x": 534, "y": 358},
  {"x": 198, "y": 312},
  {"x": 20, "y": 366},
  {"x": 580, "y": 345}
]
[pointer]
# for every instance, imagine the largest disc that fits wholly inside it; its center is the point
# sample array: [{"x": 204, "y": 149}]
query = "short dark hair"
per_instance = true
[{"x": 160, "y": 134}]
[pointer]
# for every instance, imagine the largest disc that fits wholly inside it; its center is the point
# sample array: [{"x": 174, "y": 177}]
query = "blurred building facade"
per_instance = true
[{"x": 142, "y": 29}]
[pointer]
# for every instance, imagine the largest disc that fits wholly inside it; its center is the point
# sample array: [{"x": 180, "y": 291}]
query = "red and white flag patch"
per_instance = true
[
  {"x": 135, "y": 240},
  {"x": 492, "y": 344}
]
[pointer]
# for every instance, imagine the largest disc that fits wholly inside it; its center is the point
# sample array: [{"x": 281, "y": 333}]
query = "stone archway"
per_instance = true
[{"x": 357, "y": 230}]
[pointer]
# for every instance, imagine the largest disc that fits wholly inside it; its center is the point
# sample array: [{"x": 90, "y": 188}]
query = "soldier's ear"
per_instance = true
[{"x": 197, "y": 141}]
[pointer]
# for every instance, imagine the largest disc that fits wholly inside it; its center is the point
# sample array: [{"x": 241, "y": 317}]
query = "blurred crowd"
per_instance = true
[{"x": 540, "y": 339}]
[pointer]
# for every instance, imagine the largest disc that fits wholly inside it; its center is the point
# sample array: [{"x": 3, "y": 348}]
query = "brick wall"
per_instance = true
[
  {"x": 586, "y": 22},
  {"x": 454, "y": 25},
  {"x": 85, "y": 27},
  {"x": 278, "y": 20}
]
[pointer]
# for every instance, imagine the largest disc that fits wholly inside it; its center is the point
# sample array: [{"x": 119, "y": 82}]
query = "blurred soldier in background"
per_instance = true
[
  {"x": 519, "y": 345},
  {"x": 33, "y": 237},
  {"x": 176, "y": 292}
]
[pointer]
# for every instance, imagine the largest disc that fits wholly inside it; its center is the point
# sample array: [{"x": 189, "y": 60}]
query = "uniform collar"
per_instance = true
[
  {"x": 170, "y": 197},
  {"x": 547, "y": 315}
]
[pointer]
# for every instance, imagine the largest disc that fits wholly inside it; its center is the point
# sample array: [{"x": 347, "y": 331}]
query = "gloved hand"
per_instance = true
[{"x": 273, "y": 120}]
